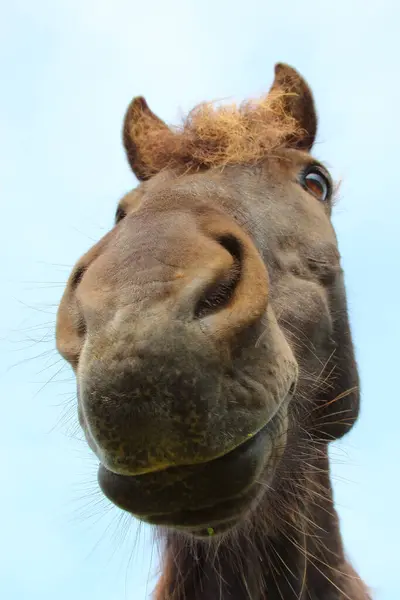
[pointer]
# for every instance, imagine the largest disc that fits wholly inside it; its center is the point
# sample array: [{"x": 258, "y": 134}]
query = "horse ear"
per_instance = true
[
  {"x": 298, "y": 102},
  {"x": 140, "y": 123}
]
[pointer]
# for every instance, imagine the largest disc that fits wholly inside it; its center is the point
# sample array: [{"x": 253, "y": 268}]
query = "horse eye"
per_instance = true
[
  {"x": 119, "y": 215},
  {"x": 317, "y": 183}
]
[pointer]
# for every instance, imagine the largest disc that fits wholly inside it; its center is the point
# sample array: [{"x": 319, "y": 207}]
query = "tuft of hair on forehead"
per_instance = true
[{"x": 215, "y": 136}]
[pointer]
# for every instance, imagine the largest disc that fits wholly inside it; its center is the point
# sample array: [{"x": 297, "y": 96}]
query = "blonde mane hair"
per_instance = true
[{"x": 211, "y": 135}]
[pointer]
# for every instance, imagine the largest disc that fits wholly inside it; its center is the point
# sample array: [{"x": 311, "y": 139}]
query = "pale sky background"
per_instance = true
[{"x": 68, "y": 71}]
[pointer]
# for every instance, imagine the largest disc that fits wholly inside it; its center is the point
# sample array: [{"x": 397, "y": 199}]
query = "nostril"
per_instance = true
[
  {"x": 219, "y": 294},
  {"x": 232, "y": 245},
  {"x": 77, "y": 277}
]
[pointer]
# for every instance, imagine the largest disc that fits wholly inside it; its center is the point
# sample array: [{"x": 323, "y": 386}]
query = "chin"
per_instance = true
[{"x": 206, "y": 499}]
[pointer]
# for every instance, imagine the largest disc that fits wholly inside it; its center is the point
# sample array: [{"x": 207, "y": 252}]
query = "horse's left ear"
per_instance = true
[
  {"x": 298, "y": 102},
  {"x": 140, "y": 124}
]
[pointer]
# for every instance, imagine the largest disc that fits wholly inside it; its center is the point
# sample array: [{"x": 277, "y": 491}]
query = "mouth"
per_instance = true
[{"x": 205, "y": 499}]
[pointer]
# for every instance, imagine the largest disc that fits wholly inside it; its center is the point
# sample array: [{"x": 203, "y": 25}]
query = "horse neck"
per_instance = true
[{"x": 302, "y": 558}]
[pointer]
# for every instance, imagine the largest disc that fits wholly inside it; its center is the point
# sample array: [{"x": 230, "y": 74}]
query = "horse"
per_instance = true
[{"x": 209, "y": 334}]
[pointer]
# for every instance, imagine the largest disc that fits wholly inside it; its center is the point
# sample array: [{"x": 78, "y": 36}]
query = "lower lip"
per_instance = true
[
  {"x": 203, "y": 523},
  {"x": 234, "y": 474}
]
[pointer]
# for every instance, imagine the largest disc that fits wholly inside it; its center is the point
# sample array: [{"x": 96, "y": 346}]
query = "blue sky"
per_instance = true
[{"x": 69, "y": 68}]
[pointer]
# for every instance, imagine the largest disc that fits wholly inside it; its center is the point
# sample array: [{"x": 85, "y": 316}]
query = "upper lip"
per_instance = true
[{"x": 124, "y": 468}]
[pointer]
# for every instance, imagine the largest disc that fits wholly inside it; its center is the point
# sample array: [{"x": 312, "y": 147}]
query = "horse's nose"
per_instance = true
[
  {"x": 153, "y": 383},
  {"x": 230, "y": 292}
]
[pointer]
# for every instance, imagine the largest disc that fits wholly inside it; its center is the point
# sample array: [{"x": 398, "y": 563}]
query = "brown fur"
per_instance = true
[{"x": 209, "y": 334}]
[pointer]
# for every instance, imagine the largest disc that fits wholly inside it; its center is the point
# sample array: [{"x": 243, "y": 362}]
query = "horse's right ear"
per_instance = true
[
  {"x": 298, "y": 103},
  {"x": 140, "y": 123}
]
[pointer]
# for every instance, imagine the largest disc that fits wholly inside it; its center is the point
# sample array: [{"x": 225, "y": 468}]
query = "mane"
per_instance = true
[{"x": 212, "y": 136}]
